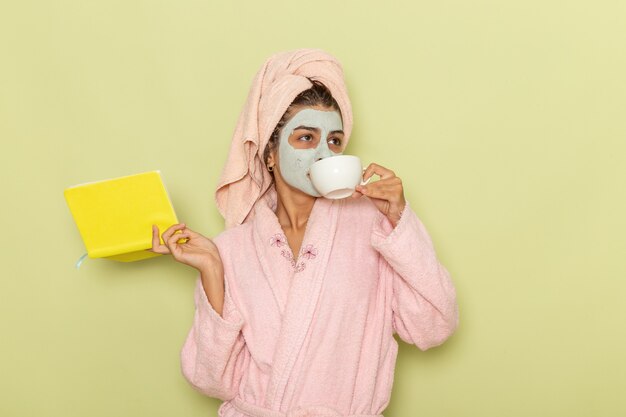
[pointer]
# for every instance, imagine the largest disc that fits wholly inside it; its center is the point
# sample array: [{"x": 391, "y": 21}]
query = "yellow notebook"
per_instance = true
[{"x": 115, "y": 216}]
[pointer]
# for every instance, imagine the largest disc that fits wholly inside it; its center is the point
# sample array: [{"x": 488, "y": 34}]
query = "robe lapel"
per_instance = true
[
  {"x": 273, "y": 253},
  {"x": 296, "y": 282}
]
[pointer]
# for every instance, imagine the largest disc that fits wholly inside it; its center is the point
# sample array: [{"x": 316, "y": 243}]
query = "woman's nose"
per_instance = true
[{"x": 322, "y": 153}]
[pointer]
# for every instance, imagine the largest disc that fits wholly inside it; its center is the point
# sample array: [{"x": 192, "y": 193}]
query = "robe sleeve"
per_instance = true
[
  {"x": 214, "y": 355},
  {"x": 423, "y": 302}
]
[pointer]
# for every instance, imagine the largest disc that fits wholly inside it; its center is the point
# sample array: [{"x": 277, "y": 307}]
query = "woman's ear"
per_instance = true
[{"x": 271, "y": 161}]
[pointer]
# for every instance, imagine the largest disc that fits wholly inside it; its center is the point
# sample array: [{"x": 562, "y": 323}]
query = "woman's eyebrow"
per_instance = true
[
  {"x": 316, "y": 129},
  {"x": 313, "y": 129}
]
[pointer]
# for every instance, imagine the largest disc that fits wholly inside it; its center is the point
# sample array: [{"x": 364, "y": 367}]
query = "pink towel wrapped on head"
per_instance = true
[{"x": 282, "y": 77}]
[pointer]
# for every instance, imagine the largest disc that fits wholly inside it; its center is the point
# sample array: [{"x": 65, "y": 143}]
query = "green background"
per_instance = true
[{"x": 505, "y": 120}]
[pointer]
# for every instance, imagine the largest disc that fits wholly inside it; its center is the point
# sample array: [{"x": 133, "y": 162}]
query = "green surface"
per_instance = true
[{"x": 505, "y": 120}]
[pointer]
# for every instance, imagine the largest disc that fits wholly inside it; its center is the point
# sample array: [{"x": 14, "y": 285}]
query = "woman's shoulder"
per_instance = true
[
  {"x": 234, "y": 236},
  {"x": 360, "y": 209}
]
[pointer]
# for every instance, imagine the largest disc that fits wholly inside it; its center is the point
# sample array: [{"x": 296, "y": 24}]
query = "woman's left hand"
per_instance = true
[{"x": 387, "y": 193}]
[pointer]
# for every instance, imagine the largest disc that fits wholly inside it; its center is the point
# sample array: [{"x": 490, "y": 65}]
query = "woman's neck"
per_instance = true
[{"x": 293, "y": 209}]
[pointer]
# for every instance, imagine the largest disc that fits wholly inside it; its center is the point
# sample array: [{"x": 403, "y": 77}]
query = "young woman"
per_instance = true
[{"x": 298, "y": 300}]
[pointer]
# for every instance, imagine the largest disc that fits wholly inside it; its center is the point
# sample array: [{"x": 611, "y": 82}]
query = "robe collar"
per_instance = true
[
  {"x": 295, "y": 279},
  {"x": 279, "y": 264}
]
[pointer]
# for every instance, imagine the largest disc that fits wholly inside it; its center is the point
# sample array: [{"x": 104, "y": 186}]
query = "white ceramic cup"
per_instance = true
[{"x": 336, "y": 177}]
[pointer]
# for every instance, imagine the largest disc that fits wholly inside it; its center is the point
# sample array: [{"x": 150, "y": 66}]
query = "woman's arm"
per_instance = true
[
  {"x": 213, "y": 285},
  {"x": 214, "y": 355},
  {"x": 425, "y": 311},
  {"x": 423, "y": 301}
]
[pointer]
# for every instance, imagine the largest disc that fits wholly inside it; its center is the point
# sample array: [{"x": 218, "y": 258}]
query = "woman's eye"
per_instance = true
[
  {"x": 335, "y": 141},
  {"x": 306, "y": 138}
]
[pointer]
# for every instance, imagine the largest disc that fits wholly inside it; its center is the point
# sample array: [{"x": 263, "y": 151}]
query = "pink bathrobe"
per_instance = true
[{"x": 312, "y": 335}]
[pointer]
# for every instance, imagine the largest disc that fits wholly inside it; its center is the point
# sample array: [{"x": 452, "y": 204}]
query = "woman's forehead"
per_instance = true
[{"x": 316, "y": 116}]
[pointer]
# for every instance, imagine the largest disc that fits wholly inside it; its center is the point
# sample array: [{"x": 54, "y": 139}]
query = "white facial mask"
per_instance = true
[{"x": 295, "y": 163}]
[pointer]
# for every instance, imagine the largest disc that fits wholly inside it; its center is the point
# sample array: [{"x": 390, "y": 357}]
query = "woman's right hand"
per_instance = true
[{"x": 197, "y": 251}]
